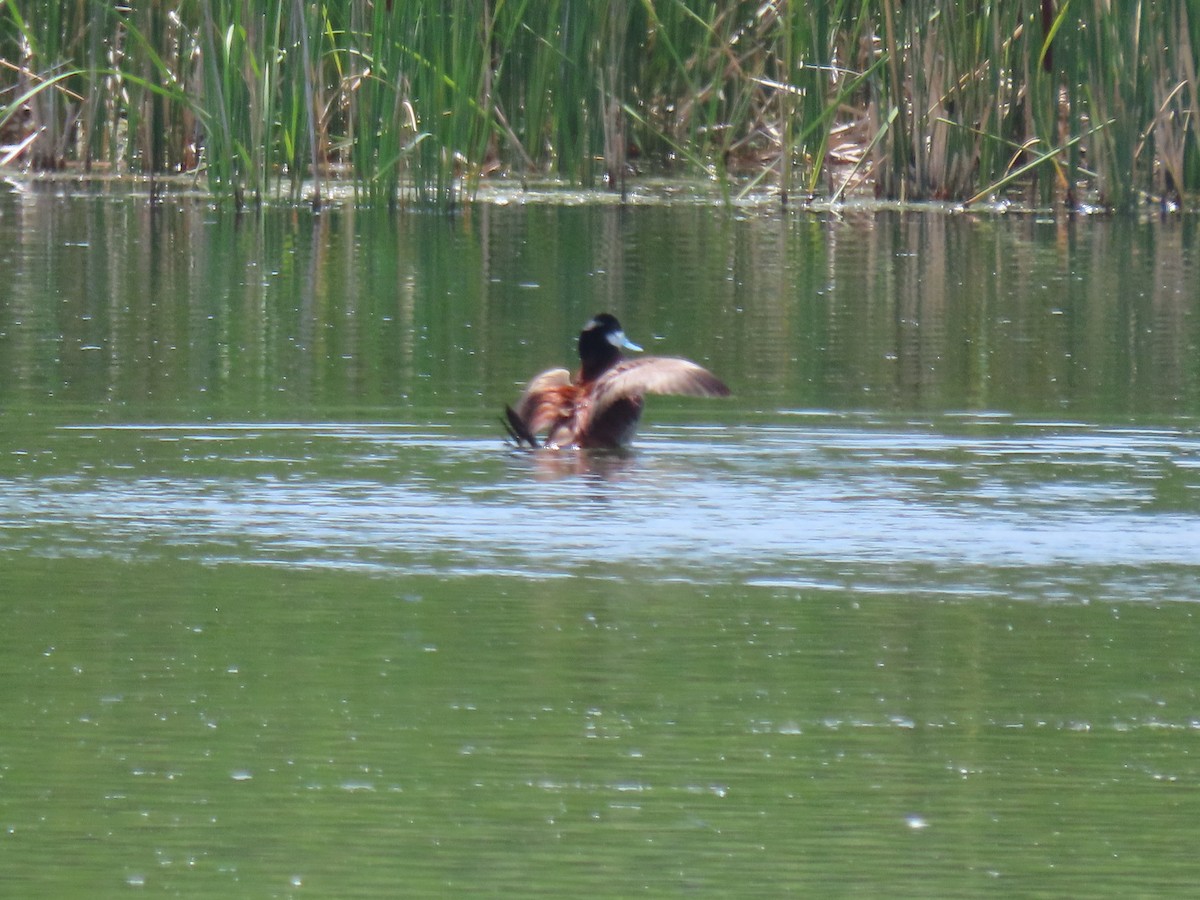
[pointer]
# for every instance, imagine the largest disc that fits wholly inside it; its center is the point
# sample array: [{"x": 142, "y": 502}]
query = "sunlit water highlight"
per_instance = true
[{"x": 989, "y": 505}]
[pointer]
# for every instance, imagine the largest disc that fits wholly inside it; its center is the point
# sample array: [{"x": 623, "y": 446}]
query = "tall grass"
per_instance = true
[{"x": 1067, "y": 100}]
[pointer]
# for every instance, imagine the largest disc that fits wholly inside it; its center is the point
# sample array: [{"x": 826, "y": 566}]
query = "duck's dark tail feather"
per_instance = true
[{"x": 517, "y": 429}]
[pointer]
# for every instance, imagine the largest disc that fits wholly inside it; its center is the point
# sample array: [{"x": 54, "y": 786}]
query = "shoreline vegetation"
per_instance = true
[{"x": 1052, "y": 102}]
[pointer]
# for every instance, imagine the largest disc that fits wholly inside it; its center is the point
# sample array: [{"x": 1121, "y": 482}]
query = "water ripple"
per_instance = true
[{"x": 1074, "y": 511}]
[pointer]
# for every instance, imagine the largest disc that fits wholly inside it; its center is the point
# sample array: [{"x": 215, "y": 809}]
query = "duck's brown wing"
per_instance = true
[
  {"x": 631, "y": 378},
  {"x": 548, "y": 398}
]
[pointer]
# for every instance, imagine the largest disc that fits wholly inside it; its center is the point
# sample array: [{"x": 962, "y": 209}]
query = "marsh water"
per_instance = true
[{"x": 913, "y": 614}]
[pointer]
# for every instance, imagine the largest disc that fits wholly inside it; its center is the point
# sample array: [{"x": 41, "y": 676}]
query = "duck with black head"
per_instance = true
[{"x": 600, "y": 406}]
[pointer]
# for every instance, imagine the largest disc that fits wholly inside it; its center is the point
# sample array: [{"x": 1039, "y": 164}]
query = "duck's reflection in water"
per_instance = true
[{"x": 599, "y": 465}]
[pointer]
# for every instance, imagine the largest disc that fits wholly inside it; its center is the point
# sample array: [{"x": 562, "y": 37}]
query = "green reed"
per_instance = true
[{"x": 1069, "y": 100}]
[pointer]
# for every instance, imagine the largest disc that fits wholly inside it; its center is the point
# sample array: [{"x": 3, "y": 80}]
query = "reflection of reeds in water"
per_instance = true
[
  {"x": 924, "y": 100},
  {"x": 183, "y": 313}
]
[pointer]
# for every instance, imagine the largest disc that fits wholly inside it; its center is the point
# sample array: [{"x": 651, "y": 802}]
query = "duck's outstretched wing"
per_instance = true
[
  {"x": 546, "y": 400},
  {"x": 631, "y": 378}
]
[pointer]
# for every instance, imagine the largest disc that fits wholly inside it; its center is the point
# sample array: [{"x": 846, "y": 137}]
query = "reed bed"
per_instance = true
[{"x": 1060, "y": 101}]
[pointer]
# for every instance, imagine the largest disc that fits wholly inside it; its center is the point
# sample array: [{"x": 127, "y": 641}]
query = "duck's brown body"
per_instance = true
[{"x": 600, "y": 406}]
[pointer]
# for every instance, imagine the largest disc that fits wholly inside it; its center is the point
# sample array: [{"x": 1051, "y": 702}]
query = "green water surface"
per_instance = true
[{"x": 912, "y": 615}]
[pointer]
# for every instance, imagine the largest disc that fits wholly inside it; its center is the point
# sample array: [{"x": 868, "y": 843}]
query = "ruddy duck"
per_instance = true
[{"x": 600, "y": 407}]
